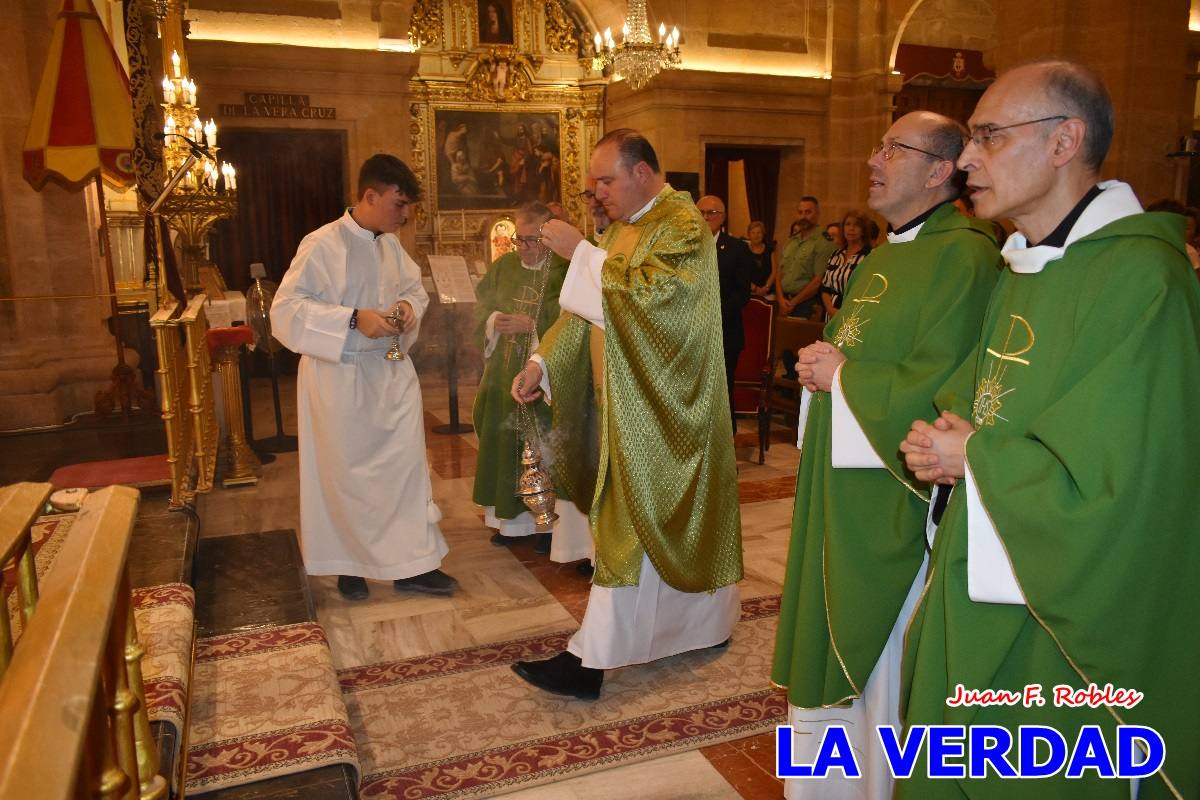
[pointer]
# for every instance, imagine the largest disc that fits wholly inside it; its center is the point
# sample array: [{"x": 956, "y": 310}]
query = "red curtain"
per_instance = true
[
  {"x": 761, "y": 165},
  {"x": 289, "y": 184}
]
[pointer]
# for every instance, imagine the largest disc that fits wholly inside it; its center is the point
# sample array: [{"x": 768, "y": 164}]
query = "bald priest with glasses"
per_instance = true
[{"x": 856, "y": 563}]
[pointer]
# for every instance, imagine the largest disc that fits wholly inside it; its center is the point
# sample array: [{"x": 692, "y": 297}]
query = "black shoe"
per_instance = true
[
  {"x": 541, "y": 545},
  {"x": 722, "y": 645},
  {"x": 433, "y": 582},
  {"x": 564, "y": 674},
  {"x": 352, "y": 587},
  {"x": 500, "y": 540},
  {"x": 585, "y": 568}
]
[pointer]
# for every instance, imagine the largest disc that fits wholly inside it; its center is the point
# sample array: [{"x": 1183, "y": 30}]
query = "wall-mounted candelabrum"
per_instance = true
[{"x": 207, "y": 191}]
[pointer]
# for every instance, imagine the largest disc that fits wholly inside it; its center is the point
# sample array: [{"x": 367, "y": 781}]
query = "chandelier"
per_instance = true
[
  {"x": 638, "y": 58},
  {"x": 205, "y": 188}
]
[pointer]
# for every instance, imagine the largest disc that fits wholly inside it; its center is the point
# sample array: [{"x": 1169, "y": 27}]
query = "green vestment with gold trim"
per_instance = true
[
  {"x": 1086, "y": 459},
  {"x": 911, "y": 315},
  {"x": 508, "y": 288},
  {"x": 641, "y": 412}
]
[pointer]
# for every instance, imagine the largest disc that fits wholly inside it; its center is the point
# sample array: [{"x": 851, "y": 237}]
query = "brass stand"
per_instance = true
[{"x": 241, "y": 464}]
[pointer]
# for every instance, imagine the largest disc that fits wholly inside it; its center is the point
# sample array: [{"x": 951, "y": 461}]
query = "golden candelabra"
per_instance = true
[{"x": 207, "y": 191}]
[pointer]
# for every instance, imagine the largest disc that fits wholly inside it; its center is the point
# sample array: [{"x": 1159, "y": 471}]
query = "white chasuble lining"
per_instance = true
[{"x": 851, "y": 447}]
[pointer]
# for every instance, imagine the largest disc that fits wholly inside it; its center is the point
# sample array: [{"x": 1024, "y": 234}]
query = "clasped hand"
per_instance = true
[
  {"x": 817, "y": 364},
  {"x": 373, "y": 322},
  {"x": 561, "y": 237},
  {"x": 525, "y": 384},
  {"x": 513, "y": 323},
  {"x": 936, "y": 452}
]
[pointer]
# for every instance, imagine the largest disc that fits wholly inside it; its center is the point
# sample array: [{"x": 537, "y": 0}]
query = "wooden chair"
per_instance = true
[
  {"x": 753, "y": 372},
  {"x": 783, "y": 394}
]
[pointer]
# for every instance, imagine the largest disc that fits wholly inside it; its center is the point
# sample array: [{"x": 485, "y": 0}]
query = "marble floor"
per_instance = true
[{"x": 511, "y": 592}]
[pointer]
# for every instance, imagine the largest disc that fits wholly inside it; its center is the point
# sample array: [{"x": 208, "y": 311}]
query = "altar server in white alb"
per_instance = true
[{"x": 366, "y": 502}]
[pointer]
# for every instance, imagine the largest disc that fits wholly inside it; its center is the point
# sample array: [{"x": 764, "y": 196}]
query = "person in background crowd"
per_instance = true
[{"x": 856, "y": 247}]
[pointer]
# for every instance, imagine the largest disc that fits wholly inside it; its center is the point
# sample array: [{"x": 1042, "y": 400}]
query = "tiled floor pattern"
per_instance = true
[{"x": 509, "y": 592}]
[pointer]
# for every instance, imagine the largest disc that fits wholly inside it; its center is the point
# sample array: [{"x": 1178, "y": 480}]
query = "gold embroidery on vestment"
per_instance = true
[
  {"x": 990, "y": 390},
  {"x": 849, "y": 333}
]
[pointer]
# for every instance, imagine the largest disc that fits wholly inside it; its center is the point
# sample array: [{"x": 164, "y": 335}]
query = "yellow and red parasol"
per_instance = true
[
  {"x": 82, "y": 124},
  {"x": 82, "y": 130}
]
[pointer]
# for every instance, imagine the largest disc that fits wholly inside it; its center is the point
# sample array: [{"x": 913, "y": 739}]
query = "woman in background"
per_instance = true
[
  {"x": 762, "y": 277},
  {"x": 855, "y": 247}
]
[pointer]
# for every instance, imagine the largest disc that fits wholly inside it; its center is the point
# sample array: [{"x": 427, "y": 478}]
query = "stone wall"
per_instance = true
[{"x": 54, "y": 354}]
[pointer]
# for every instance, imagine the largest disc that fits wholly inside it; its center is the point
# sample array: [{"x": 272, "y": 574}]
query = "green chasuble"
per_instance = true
[
  {"x": 1085, "y": 459},
  {"x": 911, "y": 315},
  {"x": 650, "y": 389},
  {"x": 507, "y": 288}
]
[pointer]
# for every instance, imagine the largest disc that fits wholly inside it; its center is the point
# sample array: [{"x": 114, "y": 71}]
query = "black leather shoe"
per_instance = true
[
  {"x": 353, "y": 587},
  {"x": 433, "y": 582},
  {"x": 541, "y": 545},
  {"x": 564, "y": 674},
  {"x": 585, "y": 568}
]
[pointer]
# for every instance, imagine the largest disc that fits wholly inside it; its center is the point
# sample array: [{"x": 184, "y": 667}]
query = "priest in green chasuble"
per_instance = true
[
  {"x": 518, "y": 285},
  {"x": 634, "y": 373},
  {"x": 1068, "y": 554},
  {"x": 856, "y": 562}
]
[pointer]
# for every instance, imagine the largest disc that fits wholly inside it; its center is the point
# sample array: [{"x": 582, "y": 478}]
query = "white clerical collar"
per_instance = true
[
  {"x": 1115, "y": 201},
  {"x": 907, "y": 236},
  {"x": 641, "y": 212},
  {"x": 358, "y": 230}
]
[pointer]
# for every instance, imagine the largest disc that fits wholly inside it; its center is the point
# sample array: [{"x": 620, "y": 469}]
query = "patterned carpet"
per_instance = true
[
  {"x": 462, "y": 724},
  {"x": 47, "y": 536},
  {"x": 265, "y": 703}
]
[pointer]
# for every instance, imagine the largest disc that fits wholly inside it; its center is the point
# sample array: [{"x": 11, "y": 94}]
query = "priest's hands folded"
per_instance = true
[
  {"x": 525, "y": 384},
  {"x": 817, "y": 364},
  {"x": 513, "y": 323},
  {"x": 937, "y": 452},
  {"x": 561, "y": 237}
]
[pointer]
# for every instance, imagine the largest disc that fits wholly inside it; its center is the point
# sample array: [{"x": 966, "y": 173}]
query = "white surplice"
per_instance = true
[
  {"x": 635, "y": 624},
  {"x": 366, "y": 501}
]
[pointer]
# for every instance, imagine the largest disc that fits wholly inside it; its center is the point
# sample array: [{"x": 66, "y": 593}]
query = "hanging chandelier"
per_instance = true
[{"x": 638, "y": 58}]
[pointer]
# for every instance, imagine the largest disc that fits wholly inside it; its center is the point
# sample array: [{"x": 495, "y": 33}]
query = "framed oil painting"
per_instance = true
[
  {"x": 495, "y": 21},
  {"x": 496, "y": 159}
]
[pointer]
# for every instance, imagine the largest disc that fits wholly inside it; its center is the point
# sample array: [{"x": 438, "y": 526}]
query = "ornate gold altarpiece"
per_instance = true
[{"x": 542, "y": 71}]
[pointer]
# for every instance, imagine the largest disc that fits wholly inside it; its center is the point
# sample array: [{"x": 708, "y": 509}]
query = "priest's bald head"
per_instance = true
[
  {"x": 1038, "y": 138},
  {"x": 625, "y": 170},
  {"x": 912, "y": 169}
]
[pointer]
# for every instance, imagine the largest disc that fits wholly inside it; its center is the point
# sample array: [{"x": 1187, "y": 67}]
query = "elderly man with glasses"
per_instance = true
[
  {"x": 507, "y": 332},
  {"x": 856, "y": 564},
  {"x": 1068, "y": 555}
]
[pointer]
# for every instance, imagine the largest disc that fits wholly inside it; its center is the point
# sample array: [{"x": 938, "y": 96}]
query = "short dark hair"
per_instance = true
[
  {"x": 633, "y": 147},
  {"x": 947, "y": 138},
  {"x": 1081, "y": 94},
  {"x": 382, "y": 171},
  {"x": 808, "y": 198}
]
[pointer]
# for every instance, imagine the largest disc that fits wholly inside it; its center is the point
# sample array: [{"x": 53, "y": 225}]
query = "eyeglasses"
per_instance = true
[
  {"x": 982, "y": 135},
  {"x": 527, "y": 240},
  {"x": 586, "y": 195},
  {"x": 889, "y": 150},
  {"x": 711, "y": 212}
]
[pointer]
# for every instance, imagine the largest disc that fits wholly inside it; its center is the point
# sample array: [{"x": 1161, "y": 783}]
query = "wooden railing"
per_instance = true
[
  {"x": 188, "y": 409},
  {"x": 74, "y": 711}
]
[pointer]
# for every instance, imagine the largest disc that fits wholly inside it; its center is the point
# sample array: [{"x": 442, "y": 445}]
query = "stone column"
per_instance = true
[{"x": 54, "y": 354}]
